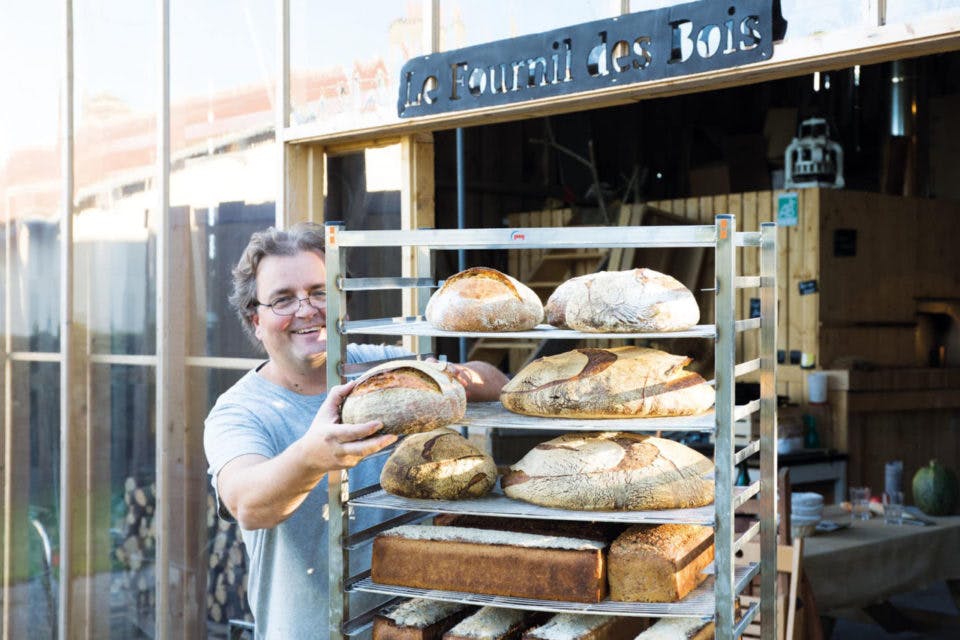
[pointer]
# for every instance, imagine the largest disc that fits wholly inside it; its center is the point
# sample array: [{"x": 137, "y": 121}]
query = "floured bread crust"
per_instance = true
[
  {"x": 679, "y": 629},
  {"x": 608, "y": 383},
  {"x": 418, "y": 619},
  {"x": 575, "y": 626},
  {"x": 641, "y": 300},
  {"x": 484, "y": 299},
  {"x": 604, "y": 471},
  {"x": 490, "y": 562},
  {"x": 408, "y": 396},
  {"x": 489, "y": 623},
  {"x": 438, "y": 465}
]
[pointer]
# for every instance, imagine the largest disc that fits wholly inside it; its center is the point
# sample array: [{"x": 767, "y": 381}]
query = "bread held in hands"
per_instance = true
[{"x": 408, "y": 396}]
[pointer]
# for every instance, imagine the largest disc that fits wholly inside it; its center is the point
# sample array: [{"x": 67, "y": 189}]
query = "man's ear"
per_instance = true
[{"x": 255, "y": 319}]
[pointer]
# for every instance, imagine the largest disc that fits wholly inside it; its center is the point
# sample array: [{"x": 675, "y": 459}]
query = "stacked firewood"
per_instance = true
[
  {"x": 227, "y": 577},
  {"x": 135, "y": 548}
]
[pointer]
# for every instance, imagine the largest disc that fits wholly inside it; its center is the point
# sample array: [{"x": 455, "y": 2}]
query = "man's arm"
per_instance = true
[
  {"x": 262, "y": 492},
  {"x": 481, "y": 380}
]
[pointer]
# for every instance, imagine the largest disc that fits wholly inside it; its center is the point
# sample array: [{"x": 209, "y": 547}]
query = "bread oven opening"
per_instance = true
[{"x": 938, "y": 332}]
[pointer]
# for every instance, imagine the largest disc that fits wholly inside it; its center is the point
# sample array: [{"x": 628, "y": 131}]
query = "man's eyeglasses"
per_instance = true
[{"x": 289, "y": 305}]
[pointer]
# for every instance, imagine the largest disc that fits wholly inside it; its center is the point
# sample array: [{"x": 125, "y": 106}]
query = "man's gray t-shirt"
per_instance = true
[{"x": 287, "y": 580}]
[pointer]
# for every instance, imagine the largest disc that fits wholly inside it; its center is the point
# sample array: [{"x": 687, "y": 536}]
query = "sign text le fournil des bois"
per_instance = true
[{"x": 638, "y": 47}]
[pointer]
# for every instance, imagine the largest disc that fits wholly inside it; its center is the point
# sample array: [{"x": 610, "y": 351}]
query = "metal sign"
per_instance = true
[{"x": 634, "y": 48}]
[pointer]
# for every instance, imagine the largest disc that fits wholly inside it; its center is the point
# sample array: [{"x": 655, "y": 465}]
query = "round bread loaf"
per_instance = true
[
  {"x": 438, "y": 465},
  {"x": 483, "y": 299},
  {"x": 633, "y": 300},
  {"x": 409, "y": 396},
  {"x": 608, "y": 383},
  {"x": 607, "y": 471}
]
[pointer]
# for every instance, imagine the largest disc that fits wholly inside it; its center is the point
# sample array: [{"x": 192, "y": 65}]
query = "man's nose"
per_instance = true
[{"x": 306, "y": 309}]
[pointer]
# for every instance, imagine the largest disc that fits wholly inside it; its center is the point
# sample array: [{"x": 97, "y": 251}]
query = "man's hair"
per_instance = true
[{"x": 304, "y": 236}]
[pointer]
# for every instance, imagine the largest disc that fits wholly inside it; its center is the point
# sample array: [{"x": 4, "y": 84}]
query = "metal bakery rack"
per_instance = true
[{"x": 716, "y": 597}]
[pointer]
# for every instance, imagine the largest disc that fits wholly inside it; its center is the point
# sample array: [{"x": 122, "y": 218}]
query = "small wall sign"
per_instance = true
[
  {"x": 638, "y": 47},
  {"x": 787, "y": 209}
]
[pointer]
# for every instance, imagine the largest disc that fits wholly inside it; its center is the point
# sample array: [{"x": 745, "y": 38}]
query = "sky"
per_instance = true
[{"x": 220, "y": 44}]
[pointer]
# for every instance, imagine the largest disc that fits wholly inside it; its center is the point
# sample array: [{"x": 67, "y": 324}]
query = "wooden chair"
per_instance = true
[
  {"x": 792, "y": 586},
  {"x": 788, "y": 563}
]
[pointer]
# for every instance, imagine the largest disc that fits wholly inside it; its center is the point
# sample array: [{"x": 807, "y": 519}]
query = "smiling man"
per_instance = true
[{"x": 272, "y": 437}]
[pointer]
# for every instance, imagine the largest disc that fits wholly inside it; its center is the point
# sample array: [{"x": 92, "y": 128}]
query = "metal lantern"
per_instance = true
[{"x": 812, "y": 159}]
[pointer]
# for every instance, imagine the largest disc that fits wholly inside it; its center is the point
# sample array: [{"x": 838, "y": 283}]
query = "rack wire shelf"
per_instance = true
[{"x": 698, "y": 603}]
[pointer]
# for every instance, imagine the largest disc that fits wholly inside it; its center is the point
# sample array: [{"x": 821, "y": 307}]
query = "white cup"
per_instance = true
[{"x": 817, "y": 387}]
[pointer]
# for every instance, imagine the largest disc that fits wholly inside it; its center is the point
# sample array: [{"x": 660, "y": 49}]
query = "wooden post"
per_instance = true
[{"x": 416, "y": 212}]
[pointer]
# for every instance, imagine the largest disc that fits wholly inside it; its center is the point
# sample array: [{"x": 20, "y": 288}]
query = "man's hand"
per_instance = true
[
  {"x": 481, "y": 380},
  {"x": 331, "y": 445},
  {"x": 263, "y": 492}
]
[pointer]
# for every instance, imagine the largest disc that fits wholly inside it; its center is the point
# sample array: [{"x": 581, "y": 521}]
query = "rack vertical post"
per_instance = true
[
  {"x": 768, "y": 428},
  {"x": 724, "y": 361},
  {"x": 338, "y": 486}
]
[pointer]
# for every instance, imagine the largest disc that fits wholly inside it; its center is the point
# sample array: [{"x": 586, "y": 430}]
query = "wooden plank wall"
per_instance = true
[
  {"x": 864, "y": 306},
  {"x": 696, "y": 267}
]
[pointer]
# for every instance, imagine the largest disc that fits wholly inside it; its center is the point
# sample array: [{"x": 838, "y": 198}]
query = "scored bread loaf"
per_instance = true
[
  {"x": 484, "y": 299},
  {"x": 679, "y": 629},
  {"x": 503, "y": 563},
  {"x": 408, "y": 396},
  {"x": 608, "y": 383},
  {"x": 611, "y": 470},
  {"x": 658, "y": 563},
  {"x": 579, "y": 626},
  {"x": 438, "y": 465},
  {"x": 417, "y": 619},
  {"x": 632, "y": 300}
]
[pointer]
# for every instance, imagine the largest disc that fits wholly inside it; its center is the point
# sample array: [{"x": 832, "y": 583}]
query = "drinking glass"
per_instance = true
[
  {"x": 860, "y": 502},
  {"x": 893, "y": 507}
]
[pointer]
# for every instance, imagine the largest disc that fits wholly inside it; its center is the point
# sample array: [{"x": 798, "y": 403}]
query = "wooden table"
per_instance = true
[{"x": 860, "y": 567}]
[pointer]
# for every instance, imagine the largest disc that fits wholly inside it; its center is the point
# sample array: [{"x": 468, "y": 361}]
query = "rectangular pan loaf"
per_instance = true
[
  {"x": 491, "y": 562},
  {"x": 658, "y": 563}
]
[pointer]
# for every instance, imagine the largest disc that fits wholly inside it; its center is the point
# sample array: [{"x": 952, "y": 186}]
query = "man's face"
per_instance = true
[{"x": 297, "y": 341}]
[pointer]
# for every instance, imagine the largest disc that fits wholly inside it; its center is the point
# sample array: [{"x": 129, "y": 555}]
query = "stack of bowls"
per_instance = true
[{"x": 806, "y": 510}]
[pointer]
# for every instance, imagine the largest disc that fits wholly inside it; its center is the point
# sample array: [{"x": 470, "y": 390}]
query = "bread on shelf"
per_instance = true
[
  {"x": 641, "y": 300},
  {"x": 418, "y": 619},
  {"x": 494, "y": 623},
  {"x": 438, "y": 465},
  {"x": 620, "y": 382},
  {"x": 611, "y": 470},
  {"x": 574, "y": 626},
  {"x": 658, "y": 563},
  {"x": 503, "y": 563},
  {"x": 605, "y": 532},
  {"x": 679, "y": 629},
  {"x": 484, "y": 299}
]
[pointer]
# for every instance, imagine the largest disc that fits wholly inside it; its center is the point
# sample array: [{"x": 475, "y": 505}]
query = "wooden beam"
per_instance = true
[
  {"x": 860, "y": 45},
  {"x": 302, "y": 184},
  {"x": 417, "y": 211},
  {"x": 181, "y": 563}
]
